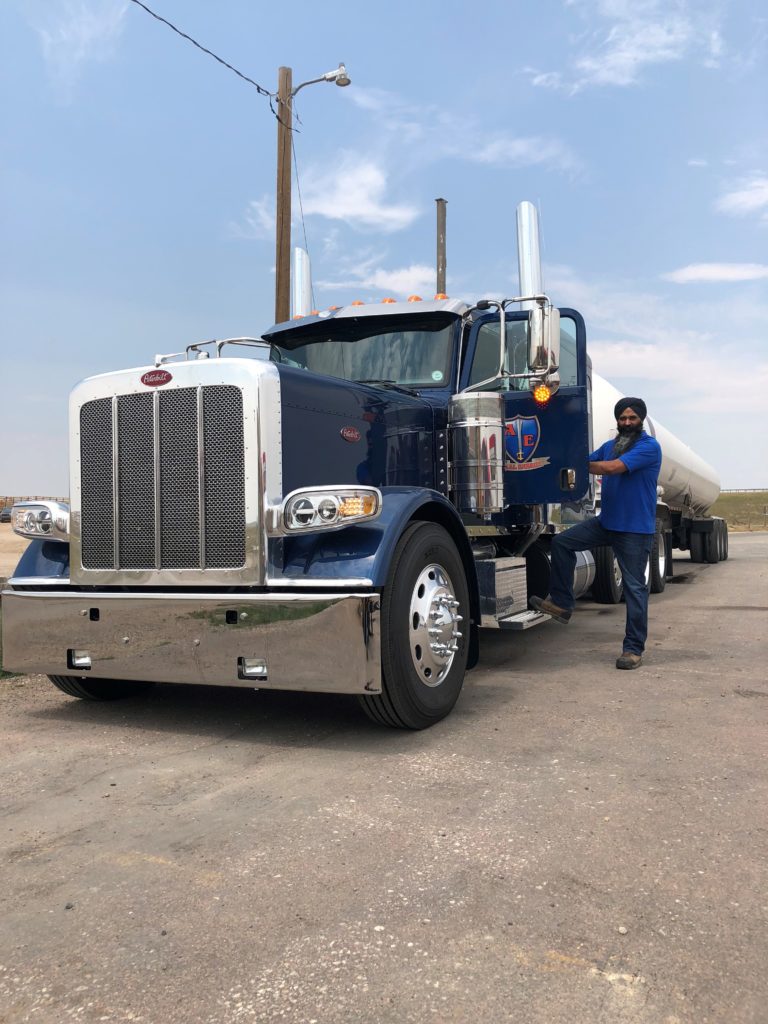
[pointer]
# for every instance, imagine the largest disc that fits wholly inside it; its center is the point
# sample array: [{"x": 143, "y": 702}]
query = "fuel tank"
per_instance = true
[{"x": 687, "y": 480}]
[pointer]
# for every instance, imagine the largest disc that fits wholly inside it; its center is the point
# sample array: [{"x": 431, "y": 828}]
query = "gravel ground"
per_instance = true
[{"x": 573, "y": 844}]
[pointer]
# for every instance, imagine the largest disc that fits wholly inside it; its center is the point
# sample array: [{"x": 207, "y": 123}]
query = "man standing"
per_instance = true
[{"x": 629, "y": 466}]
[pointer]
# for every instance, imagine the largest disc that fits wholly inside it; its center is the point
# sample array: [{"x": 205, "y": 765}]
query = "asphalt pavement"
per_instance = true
[{"x": 573, "y": 844}]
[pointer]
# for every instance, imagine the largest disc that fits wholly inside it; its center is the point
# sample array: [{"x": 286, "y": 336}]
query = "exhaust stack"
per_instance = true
[{"x": 528, "y": 253}]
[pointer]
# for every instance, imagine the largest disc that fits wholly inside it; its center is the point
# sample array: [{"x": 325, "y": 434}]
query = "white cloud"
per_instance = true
[
  {"x": 749, "y": 197},
  {"x": 258, "y": 220},
  {"x": 697, "y": 162},
  {"x": 718, "y": 272},
  {"x": 74, "y": 32},
  {"x": 354, "y": 191},
  {"x": 670, "y": 350},
  {"x": 364, "y": 271},
  {"x": 634, "y": 36},
  {"x": 526, "y": 152}
]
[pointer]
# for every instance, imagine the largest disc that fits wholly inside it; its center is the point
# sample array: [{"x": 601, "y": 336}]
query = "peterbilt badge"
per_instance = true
[
  {"x": 350, "y": 434},
  {"x": 154, "y": 378}
]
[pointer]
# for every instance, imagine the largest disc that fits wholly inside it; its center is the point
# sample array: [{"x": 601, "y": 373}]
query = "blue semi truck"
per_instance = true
[{"x": 340, "y": 505}]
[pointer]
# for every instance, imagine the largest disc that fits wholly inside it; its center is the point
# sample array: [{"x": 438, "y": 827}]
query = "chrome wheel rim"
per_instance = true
[{"x": 433, "y": 625}]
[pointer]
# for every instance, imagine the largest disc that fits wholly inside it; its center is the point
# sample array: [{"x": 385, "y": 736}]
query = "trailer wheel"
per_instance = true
[
  {"x": 423, "y": 647},
  {"x": 724, "y": 539},
  {"x": 712, "y": 544},
  {"x": 658, "y": 563},
  {"x": 608, "y": 585},
  {"x": 99, "y": 689}
]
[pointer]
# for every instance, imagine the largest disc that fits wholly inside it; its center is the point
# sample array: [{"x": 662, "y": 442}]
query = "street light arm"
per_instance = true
[{"x": 338, "y": 75}]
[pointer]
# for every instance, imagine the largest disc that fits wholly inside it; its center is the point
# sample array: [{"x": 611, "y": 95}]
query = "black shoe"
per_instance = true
[{"x": 543, "y": 604}]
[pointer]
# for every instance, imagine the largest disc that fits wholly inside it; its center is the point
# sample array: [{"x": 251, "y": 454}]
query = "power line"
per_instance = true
[{"x": 260, "y": 88}]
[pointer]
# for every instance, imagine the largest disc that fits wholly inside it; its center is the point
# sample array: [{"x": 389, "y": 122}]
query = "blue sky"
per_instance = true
[{"x": 138, "y": 182}]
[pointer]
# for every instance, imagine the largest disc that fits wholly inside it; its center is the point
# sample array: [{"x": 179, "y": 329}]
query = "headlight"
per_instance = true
[
  {"x": 42, "y": 520},
  {"x": 328, "y": 508}
]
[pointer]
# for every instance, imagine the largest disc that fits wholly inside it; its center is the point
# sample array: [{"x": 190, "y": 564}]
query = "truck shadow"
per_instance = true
[{"x": 218, "y": 714}]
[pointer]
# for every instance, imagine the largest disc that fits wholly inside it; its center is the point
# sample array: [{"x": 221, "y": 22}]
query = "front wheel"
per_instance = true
[
  {"x": 99, "y": 689},
  {"x": 424, "y": 631}
]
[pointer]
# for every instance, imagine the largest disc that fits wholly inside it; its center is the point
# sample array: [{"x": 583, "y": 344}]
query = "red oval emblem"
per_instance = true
[
  {"x": 154, "y": 378},
  {"x": 350, "y": 434}
]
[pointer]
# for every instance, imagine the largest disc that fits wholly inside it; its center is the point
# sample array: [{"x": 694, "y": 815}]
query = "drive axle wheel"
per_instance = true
[
  {"x": 423, "y": 645},
  {"x": 657, "y": 563},
  {"x": 99, "y": 689}
]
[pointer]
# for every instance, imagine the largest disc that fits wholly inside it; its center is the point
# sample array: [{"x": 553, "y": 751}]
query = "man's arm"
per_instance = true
[{"x": 610, "y": 468}]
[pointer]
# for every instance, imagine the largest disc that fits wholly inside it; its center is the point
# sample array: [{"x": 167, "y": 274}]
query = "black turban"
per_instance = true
[{"x": 635, "y": 404}]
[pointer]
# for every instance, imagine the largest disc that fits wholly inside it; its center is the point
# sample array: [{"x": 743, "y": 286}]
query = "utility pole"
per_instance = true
[
  {"x": 283, "y": 211},
  {"x": 441, "y": 257}
]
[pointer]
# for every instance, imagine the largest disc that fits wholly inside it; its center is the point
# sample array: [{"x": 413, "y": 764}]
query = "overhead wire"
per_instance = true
[{"x": 259, "y": 88}]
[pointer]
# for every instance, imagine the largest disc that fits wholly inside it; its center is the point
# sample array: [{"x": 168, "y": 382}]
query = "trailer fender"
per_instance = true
[
  {"x": 44, "y": 559},
  {"x": 365, "y": 551}
]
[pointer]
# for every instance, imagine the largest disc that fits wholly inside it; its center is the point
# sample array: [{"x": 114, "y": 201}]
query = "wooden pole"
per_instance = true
[{"x": 283, "y": 207}]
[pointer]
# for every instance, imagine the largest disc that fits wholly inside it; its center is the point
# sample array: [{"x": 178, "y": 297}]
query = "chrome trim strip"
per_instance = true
[
  {"x": 92, "y": 596},
  {"x": 156, "y": 443},
  {"x": 115, "y": 487},
  {"x": 201, "y": 475},
  {"x": 284, "y": 581}
]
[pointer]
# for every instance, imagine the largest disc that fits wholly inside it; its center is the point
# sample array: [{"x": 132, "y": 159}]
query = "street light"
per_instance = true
[{"x": 285, "y": 94}]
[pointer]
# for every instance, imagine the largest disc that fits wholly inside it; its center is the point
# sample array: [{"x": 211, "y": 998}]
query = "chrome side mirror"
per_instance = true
[{"x": 543, "y": 338}]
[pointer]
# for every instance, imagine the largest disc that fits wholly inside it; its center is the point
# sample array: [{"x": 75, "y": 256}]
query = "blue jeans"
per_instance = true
[{"x": 632, "y": 551}]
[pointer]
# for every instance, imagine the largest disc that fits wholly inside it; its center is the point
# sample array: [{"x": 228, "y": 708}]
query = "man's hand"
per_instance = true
[{"x": 610, "y": 468}]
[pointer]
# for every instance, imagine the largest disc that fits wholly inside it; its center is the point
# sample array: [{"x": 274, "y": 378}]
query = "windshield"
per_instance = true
[{"x": 412, "y": 351}]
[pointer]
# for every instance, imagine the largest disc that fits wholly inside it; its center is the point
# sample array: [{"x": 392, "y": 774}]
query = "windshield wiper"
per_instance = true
[{"x": 381, "y": 383}]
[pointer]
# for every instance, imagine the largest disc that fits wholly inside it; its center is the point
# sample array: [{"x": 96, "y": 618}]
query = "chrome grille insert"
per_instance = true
[{"x": 163, "y": 480}]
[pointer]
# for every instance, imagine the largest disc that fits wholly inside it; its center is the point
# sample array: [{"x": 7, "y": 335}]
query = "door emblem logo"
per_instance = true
[
  {"x": 154, "y": 378},
  {"x": 521, "y": 439},
  {"x": 350, "y": 434}
]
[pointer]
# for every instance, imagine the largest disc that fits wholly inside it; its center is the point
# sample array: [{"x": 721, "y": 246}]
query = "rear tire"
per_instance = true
[
  {"x": 725, "y": 540},
  {"x": 99, "y": 689},
  {"x": 697, "y": 546},
  {"x": 608, "y": 586},
  {"x": 422, "y": 674},
  {"x": 712, "y": 544},
  {"x": 658, "y": 563}
]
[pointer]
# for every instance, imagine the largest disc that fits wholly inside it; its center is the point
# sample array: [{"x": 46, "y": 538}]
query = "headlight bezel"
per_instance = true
[
  {"x": 343, "y": 505},
  {"x": 41, "y": 520}
]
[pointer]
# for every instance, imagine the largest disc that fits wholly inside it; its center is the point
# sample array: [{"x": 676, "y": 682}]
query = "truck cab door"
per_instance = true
[{"x": 545, "y": 447}]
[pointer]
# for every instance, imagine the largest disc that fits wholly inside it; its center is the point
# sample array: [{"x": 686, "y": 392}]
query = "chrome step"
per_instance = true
[{"x": 523, "y": 620}]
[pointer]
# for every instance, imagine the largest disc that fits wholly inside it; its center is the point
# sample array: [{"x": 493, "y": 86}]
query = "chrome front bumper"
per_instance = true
[{"x": 287, "y": 641}]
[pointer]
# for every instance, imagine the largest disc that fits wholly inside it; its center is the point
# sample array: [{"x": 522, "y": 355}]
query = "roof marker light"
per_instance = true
[
  {"x": 541, "y": 393},
  {"x": 357, "y": 302},
  {"x": 441, "y": 295},
  {"x": 314, "y": 312},
  {"x": 388, "y": 300},
  {"x": 332, "y": 309},
  {"x": 414, "y": 298}
]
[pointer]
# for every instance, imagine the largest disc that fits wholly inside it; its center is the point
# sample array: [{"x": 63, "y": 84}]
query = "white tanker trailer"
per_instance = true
[{"x": 688, "y": 487}]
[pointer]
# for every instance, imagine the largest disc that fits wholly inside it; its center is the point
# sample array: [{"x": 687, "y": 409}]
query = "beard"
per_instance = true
[{"x": 626, "y": 438}]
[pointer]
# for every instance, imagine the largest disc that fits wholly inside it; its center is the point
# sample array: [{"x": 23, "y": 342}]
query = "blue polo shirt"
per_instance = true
[{"x": 628, "y": 500}]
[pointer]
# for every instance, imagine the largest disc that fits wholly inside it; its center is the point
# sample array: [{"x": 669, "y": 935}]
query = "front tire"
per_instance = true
[
  {"x": 423, "y": 644},
  {"x": 99, "y": 689}
]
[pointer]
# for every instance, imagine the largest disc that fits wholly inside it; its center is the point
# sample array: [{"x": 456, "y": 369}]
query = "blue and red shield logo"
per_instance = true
[{"x": 522, "y": 438}]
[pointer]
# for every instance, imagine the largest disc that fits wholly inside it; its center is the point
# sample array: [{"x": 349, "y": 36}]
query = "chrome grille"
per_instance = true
[{"x": 152, "y": 495}]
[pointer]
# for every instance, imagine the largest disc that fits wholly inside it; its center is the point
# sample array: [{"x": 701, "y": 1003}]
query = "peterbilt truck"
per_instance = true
[{"x": 340, "y": 505}]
